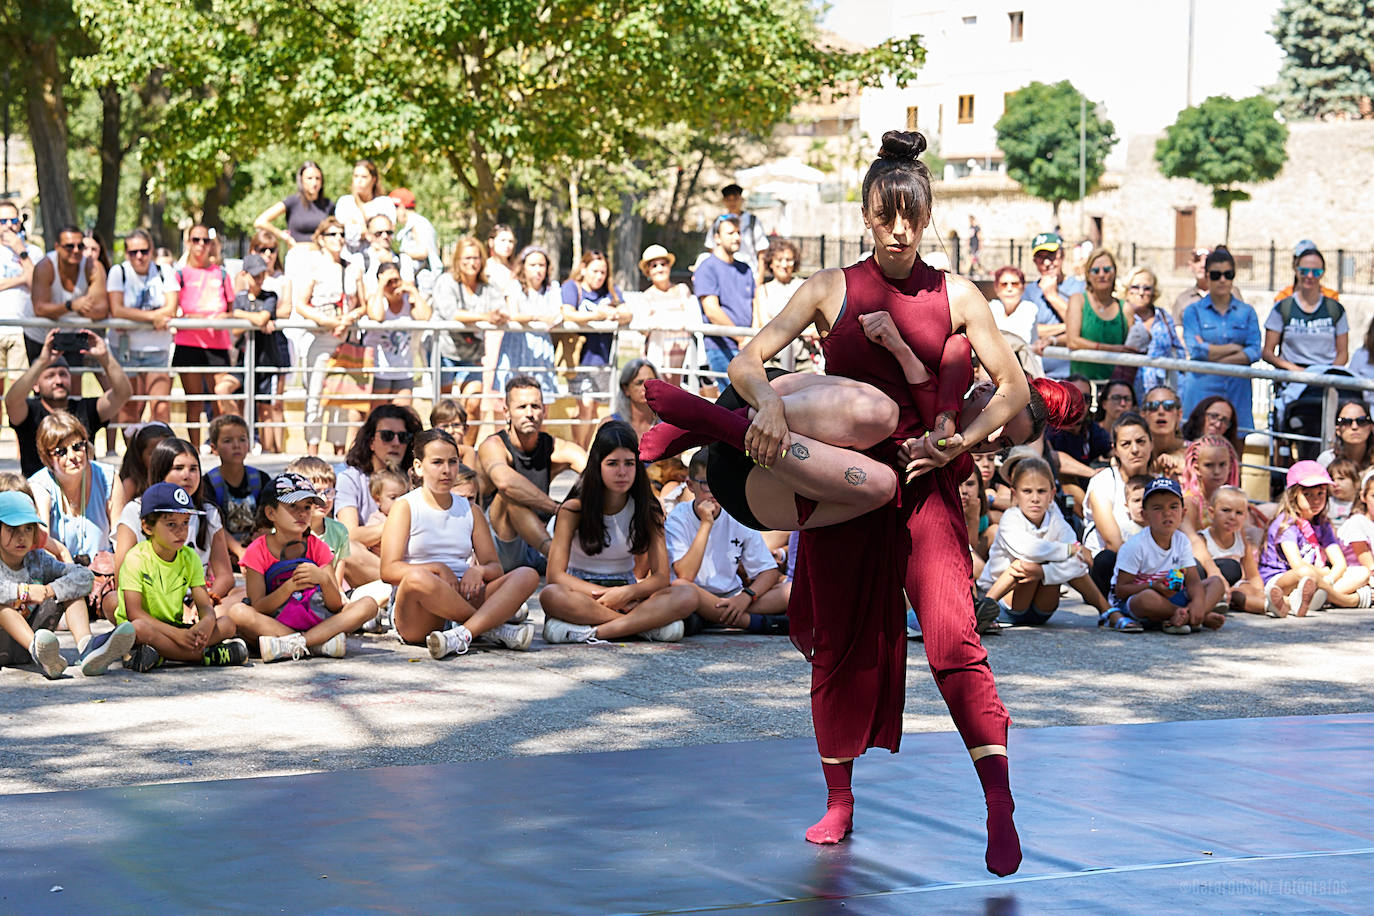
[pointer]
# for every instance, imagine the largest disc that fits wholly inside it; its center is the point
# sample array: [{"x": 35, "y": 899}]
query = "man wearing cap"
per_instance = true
[
  {"x": 753, "y": 240},
  {"x": 50, "y": 379},
  {"x": 415, "y": 235},
  {"x": 1051, "y": 296}
]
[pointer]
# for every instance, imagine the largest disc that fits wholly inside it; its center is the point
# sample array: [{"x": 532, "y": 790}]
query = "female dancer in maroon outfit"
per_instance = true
[{"x": 852, "y": 628}]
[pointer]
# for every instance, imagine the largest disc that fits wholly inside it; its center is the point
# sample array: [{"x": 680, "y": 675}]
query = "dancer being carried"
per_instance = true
[{"x": 822, "y": 452}]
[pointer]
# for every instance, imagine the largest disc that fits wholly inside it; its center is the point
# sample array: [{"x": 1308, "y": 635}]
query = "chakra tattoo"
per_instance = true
[
  {"x": 799, "y": 451},
  {"x": 855, "y": 476}
]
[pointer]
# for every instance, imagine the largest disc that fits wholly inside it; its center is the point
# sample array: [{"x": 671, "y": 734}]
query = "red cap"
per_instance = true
[{"x": 403, "y": 197}]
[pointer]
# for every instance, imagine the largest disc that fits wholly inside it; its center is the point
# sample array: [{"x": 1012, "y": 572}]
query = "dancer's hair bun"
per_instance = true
[
  {"x": 902, "y": 145},
  {"x": 1064, "y": 404}
]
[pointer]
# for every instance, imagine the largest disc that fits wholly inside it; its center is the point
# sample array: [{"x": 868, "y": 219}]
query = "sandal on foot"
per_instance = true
[{"x": 1122, "y": 623}]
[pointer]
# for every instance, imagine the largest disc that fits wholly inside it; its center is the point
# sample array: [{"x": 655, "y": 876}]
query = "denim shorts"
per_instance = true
[
  {"x": 454, "y": 373},
  {"x": 147, "y": 359}
]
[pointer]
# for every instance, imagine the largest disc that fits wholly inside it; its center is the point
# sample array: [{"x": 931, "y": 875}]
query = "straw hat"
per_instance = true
[{"x": 652, "y": 253}]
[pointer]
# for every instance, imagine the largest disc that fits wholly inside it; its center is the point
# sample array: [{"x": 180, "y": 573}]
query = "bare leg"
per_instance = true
[
  {"x": 844, "y": 484},
  {"x": 659, "y": 609}
]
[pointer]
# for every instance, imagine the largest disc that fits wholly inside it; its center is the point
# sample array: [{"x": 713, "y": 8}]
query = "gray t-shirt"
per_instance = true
[{"x": 1309, "y": 338}]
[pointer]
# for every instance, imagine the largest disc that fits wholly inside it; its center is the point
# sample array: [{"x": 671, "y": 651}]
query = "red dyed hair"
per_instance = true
[{"x": 1062, "y": 404}]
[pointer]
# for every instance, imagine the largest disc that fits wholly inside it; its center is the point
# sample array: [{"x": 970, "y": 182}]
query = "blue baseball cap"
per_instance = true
[
  {"x": 167, "y": 497},
  {"x": 17, "y": 509},
  {"x": 1161, "y": 485}
]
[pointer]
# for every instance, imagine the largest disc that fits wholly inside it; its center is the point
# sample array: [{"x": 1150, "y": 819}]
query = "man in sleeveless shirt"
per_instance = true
[
  {"x": 521, "y": 461},
  {"x": 68, "y": 288}
]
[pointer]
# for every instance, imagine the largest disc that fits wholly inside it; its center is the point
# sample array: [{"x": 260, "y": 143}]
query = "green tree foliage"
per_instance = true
[
  {"x": 1038, "y": 136},
  {"x": 1222, "y": 143},
  {"x": 1328, "y": 65},
  {"x": 479, "y": 88}
]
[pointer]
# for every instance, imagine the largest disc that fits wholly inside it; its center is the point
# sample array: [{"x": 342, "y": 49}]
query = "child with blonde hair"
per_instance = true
[
  {"x": 1036, "y": 550},
  {"x": 1236, "y": 558},
  {"x": 1303, "y": 563}
]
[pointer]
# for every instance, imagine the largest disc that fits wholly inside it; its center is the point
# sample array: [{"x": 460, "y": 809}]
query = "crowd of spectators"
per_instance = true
[{"x": 441, "y": 532}]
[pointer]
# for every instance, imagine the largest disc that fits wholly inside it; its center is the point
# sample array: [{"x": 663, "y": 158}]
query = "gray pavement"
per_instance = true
[{"x": 390, "y": 704}]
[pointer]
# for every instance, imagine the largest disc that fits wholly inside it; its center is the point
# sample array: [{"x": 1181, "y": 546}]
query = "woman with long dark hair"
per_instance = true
[
  {"x": 609, "y": 576},
  {"x": 1214, "y": 416},
  {"x": 532, "y": 297},
  {"x": 588, "y": 296},
  {"x": 385, "y": 440},
  {"x": 629, "y": 403},
  {"x": 1353, "y": 436},
  {"x": 331, "y": 295},
  {"x": 304, "y": 210},
  {"x": 364, "y": 201}
]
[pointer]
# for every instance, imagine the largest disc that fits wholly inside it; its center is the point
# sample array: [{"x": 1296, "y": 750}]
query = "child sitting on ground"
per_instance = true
[
  {"x": 234, "y": 486},
  {"x": 35, "y": 590},
  {"x": 294, "y": 608},
  {"x": 1236, "y": 559},
  {"x": 1345, "y": 490},
  {"x": 1036, "y": 550},
  {"x": 11, "y": 482},
  {"x": 1358, "y": 531},
  {"x": 973, "y": 501},
  {"x": 1157, "y": 582},
  {"x": 153, "y": 584},
  {"x": 1303, "y": 563},
  {"x": 708, "y": 548}
]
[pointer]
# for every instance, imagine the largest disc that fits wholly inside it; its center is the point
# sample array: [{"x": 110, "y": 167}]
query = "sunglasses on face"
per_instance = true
[
  {"x": 390, "y": 435},
  {"x": 1103, "y": 270},
  {"x": 10, "y": 221},
  {"x": 1219, "y": 274},
  {"x": 199, "y": 240},
  {"x": 1311, "y": 271},
  {"x": 76, "y": 448},
  {"x": 71, "y": 247},
  {"x": 1161, "y": 405},
  {"x": 1357, "y": 422},
  {"x": 265, "y": 250},
  {"x": 1142, "y": 288},
  {"x": 334, "y": 234},
  {"x": 386, "y": 232},
  {"x": 136, "y": 252}
]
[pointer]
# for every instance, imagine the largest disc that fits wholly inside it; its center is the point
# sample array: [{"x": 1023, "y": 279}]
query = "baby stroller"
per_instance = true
[{"x": 1298, "y": 410}]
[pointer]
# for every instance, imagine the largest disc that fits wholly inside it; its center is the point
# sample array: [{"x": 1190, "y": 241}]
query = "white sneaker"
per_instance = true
[
  {"x": 560, "y": 631},
  {"x": 335, "y": 646},
  {"x": 47, "y": 654},
  {"x": 449, "y": 642},
  {"x": 511, "y": 635},
  {"x": 521, "y": 615},
  {"x": 669, "y": 632},
  {"x": 274, "y": 648}
]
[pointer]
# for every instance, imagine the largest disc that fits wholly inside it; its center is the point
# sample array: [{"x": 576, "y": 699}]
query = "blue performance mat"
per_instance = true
[{"x": 1231, "y": 816}]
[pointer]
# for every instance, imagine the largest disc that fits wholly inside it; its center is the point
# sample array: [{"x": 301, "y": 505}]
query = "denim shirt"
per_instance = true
[{"x": 1239, "y": 325}]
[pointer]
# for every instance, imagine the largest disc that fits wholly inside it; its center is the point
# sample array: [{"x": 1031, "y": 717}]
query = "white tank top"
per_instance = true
[
  {"x": 615, "y": 558},
  {"x": 60, "y": 295},
  {"x": 1236, "y": 551},
  {"x": 439, "y": 535}
]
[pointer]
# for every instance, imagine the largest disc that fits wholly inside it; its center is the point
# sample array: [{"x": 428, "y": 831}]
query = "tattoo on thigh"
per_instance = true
[
  {"x": 855, "y": 476},
  {"x": 799, "y": 451}
]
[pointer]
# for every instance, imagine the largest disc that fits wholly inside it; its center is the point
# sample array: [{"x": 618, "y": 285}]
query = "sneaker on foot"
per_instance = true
[
  {"x": 142, "y": 658},
  {"x": 335, "y": 646},
  {"x": 511, "y": 635},
  {"x": 521, "y": 614},
  {"x": 106, "y": 649},
  {"x": 669, "y": 632},
  {"x": 560, "y": 631},
  {"x": 47, "y": 654},
  {"x": 442, "y": 643},
  {"x": 291, "y": 646},
  {"x": 776, "y": 625},
  {"x": 225, "y": 654}
]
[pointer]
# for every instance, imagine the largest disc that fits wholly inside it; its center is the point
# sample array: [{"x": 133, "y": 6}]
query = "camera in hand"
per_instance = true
[{"x": 70, "y": 341}]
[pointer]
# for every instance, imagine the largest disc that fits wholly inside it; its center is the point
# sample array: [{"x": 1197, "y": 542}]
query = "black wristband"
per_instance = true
[{"x": 750, "y": 592}]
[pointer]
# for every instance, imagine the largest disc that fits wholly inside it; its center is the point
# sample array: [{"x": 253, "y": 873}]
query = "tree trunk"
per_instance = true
[
  {"x": 47, "y": 115},
  {"x": 548, "y": 233},
  {"x": 217, "y": 196},
  {"x": 1227, "y": 240},
  {"x": 629, "y": 237},
  {"x": 575, "y": 221},
  {"x": 675, "y": 219},
  {"x": 111, "y": 158}
]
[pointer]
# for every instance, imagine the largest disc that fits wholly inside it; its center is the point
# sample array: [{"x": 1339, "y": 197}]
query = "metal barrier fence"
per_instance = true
[{"x": 693, "y": 370}]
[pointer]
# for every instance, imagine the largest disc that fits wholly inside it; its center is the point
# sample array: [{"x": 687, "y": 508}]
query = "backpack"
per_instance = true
[
  {"x": 297, "y": 612},
  {"x": 255, "y": 479},
  {"x": 1333, "y": 308}
]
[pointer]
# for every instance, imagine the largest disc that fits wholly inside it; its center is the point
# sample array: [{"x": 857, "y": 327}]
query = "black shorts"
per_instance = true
[
  {"x": 727, "y": 468},
  {"x": 199, "y": 357}
]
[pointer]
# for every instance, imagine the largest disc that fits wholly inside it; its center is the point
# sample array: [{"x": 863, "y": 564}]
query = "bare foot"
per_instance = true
[{"x": 1212, "y": 620}]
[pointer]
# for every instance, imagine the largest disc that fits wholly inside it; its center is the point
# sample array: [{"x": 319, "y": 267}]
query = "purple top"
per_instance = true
[{"x": 1311, "y": 541}]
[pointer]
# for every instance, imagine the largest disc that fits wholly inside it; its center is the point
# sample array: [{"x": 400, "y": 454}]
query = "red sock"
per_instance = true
[
  {"x": 839, "y": 805},
  {"x": 697, "y": 415},
  {"x": 664, "y": 439},
  {"x": 1004, "y": 846}
]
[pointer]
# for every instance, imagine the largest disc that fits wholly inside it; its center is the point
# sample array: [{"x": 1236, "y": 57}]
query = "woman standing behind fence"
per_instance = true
[
  {"x": 1097, "y": 319},
  {"x": 1152, "y": 330},
  {"x": 204, "y": 356},
  {"x": 589, "y": 295},
  {"x": 394, "y": 355},
  {"x": 366, "y": 201},
  {"x": 463, "y": 294},
  {"x": 532, "y": 296},
  {"x": 140, "y": 292},
  {"x": 1220, "y": 328},
  {"x": 304, "y": 211},
  {"x": 1307, "y": 328},
  {"x": 331, "y": 296}
]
